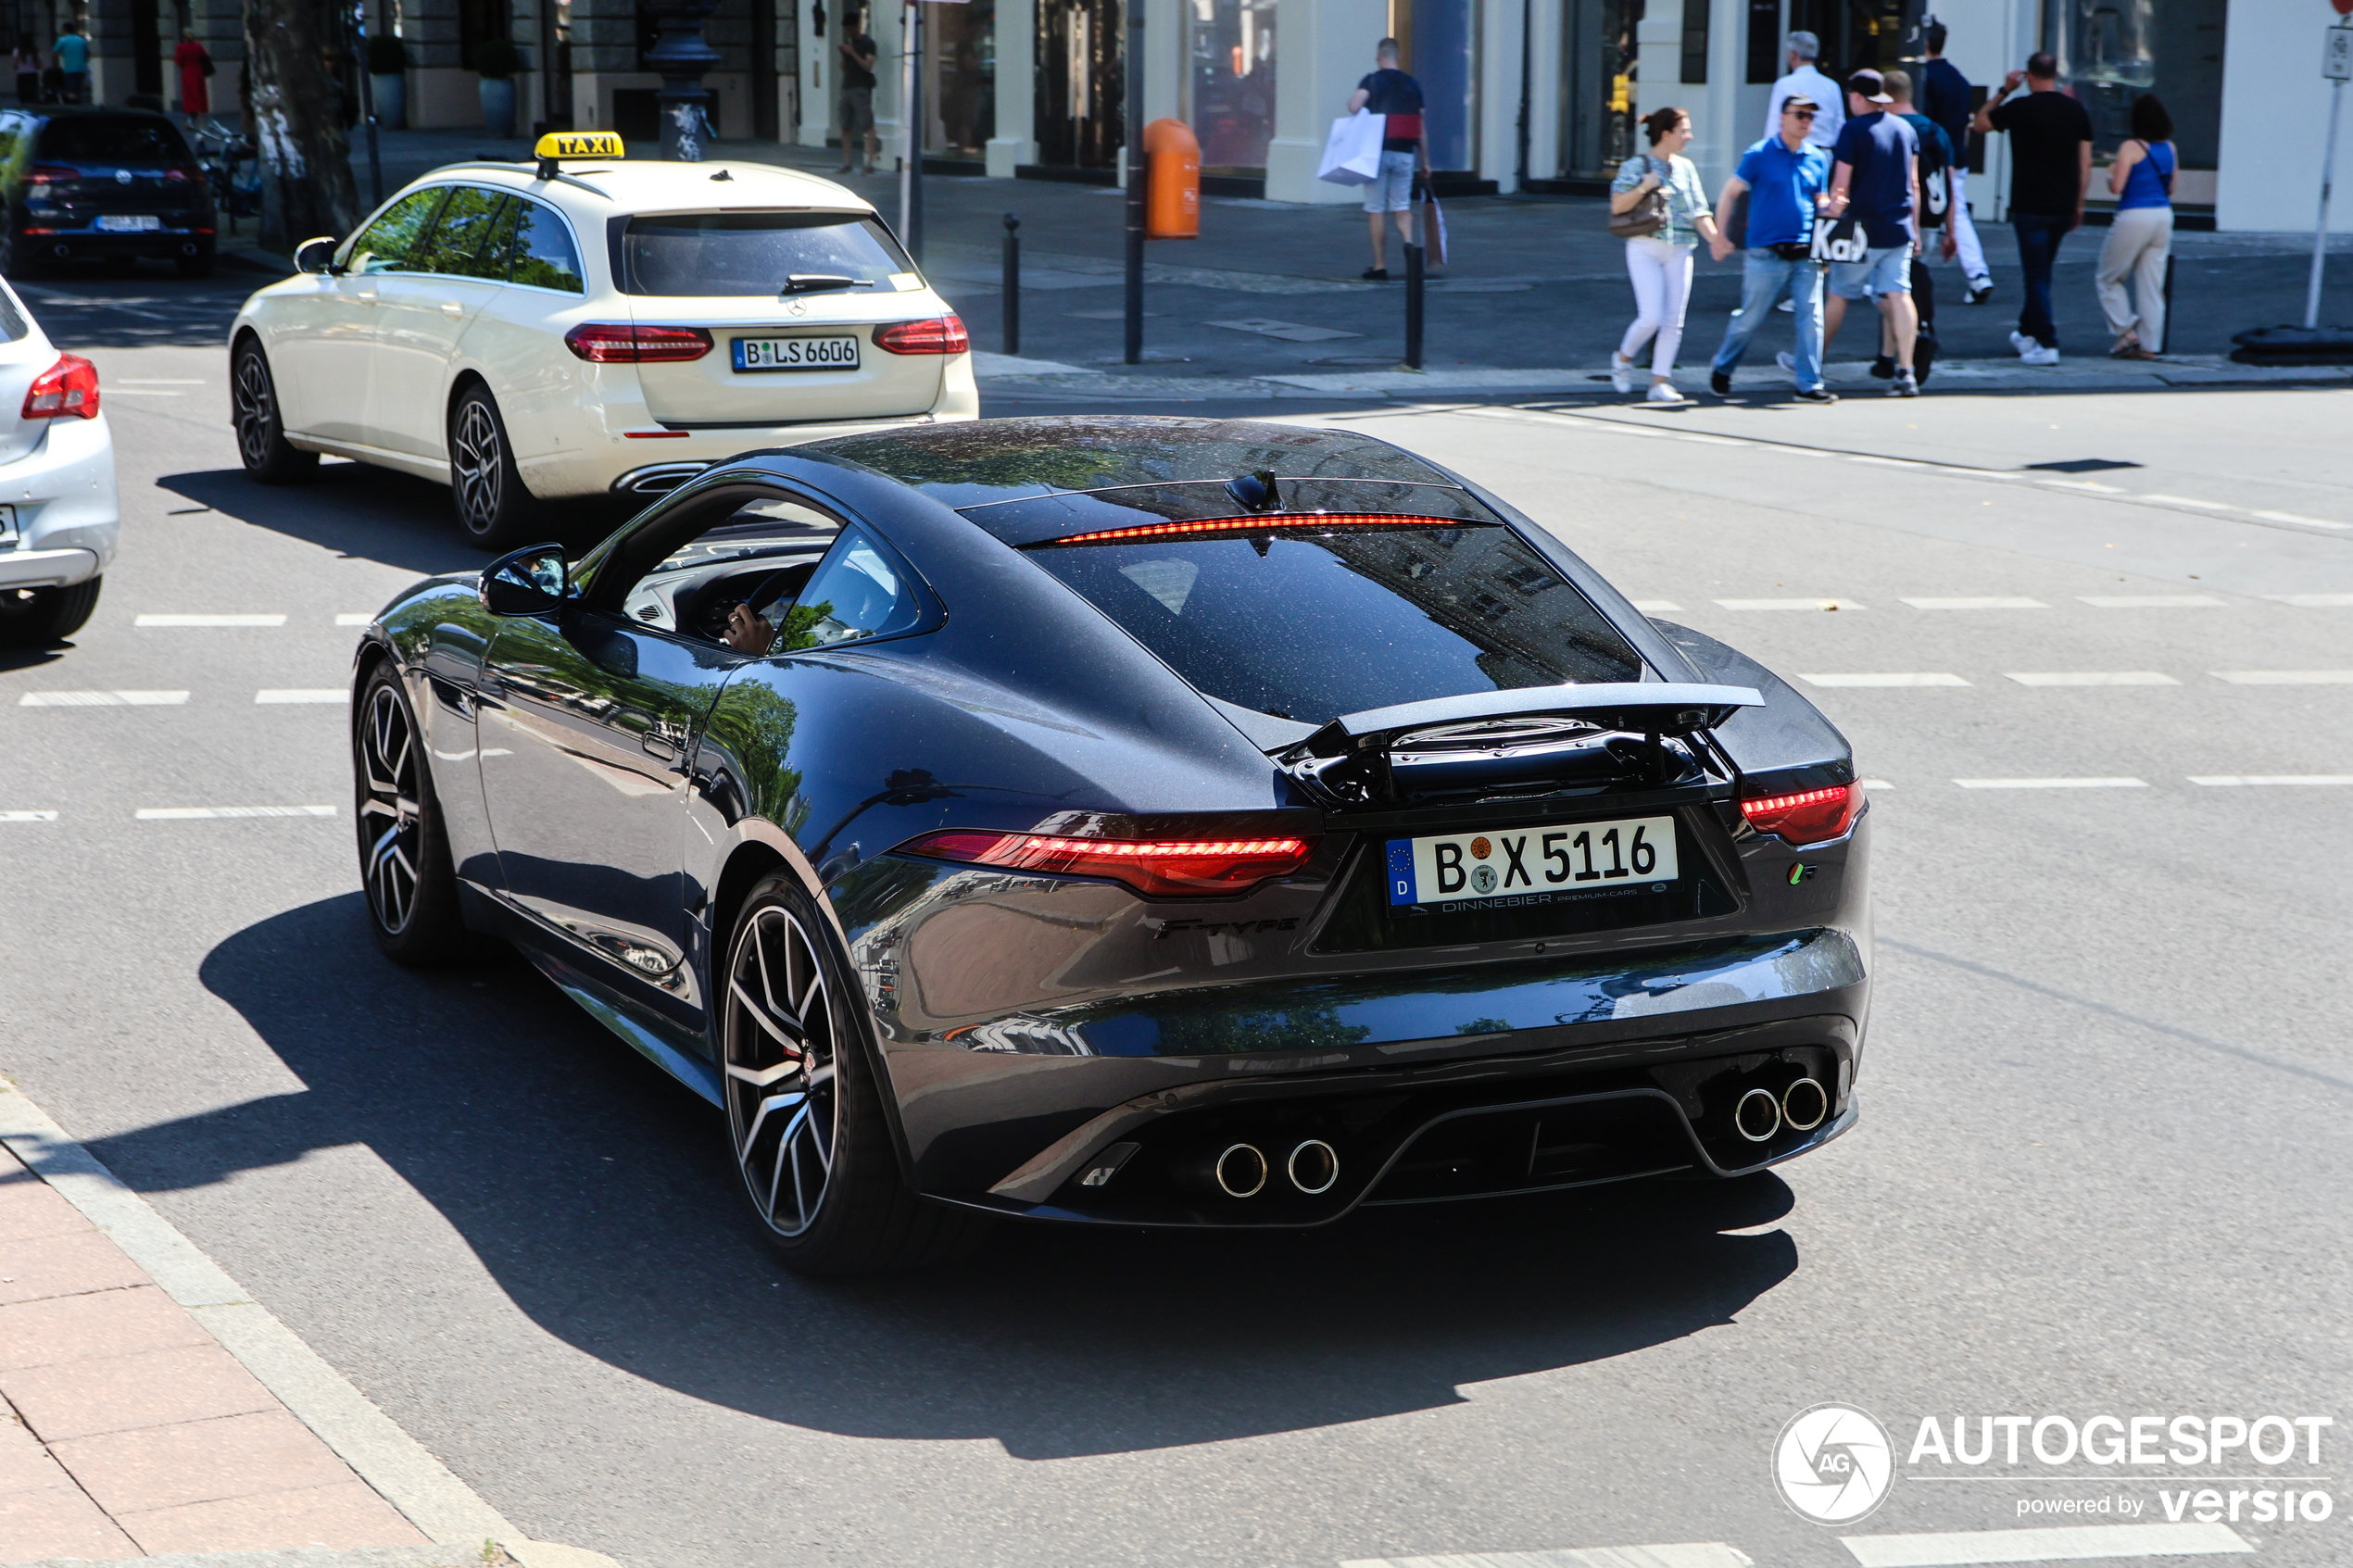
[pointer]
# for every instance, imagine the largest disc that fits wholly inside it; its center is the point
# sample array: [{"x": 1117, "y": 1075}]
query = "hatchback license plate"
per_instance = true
[
  {"x": 124, "y": 223},
  {"x": 796, "y": 353},
  {"x": 1515, "y": 863}
]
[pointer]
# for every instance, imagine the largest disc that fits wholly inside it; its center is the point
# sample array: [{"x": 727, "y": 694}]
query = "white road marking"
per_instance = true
[
  {"x": 2151, "y": 601},
  {"x": 2314, "y": 601},
  {"x": 156, "y": 380},
  {"x": 353, "y": 618},
  {"x": 2052, "y": 784},
  {"x": 2093, "y": 678},
  {"x": 28, "y": 816},
  {"x": 2299, "y": 517},
  {"x": 2285, "y": 677},
  {"x": 210, "y": 621},
  {"x": 208, "y": 814},
  {"x": 1686, "y": 1554},
  {"x": 2092, "y": 485},
  {"x": 2236, "y": 780},
  {"x": 1789, "y": 604},
  {"x": 102, "y": 699},
  {"x": 2066, "y": 1543},
  {"x": 2191, "y": 501},
  {"x": 1658, "y": 606},
  {"x": 120, "y": 391},
  {"x": 1896, "y": 678},
  {"x": 303, "y": 693},
  {"x": 1994, "y": 602},
  {"x": 1877, "y": 783}
]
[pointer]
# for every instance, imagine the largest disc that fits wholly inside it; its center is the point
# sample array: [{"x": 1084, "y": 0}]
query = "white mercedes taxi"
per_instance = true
[{"x": 585, "y": 326}]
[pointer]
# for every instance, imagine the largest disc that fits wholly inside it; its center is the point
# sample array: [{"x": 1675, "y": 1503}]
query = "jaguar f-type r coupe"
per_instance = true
[{"x": 1132, "y": 821}]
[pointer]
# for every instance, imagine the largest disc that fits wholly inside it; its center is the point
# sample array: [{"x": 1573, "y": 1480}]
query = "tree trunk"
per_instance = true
[{"x": 296, "y": 120}]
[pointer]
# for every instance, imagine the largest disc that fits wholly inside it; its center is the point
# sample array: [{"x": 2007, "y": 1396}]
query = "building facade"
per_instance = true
[{"x": 1523, "y": 94}]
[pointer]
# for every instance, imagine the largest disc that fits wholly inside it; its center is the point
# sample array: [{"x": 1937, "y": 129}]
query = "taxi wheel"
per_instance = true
[
  {"x": 261, "y": 435},
  {"x": 493, "y": 506},
  {"x": 38, "y": 617}
]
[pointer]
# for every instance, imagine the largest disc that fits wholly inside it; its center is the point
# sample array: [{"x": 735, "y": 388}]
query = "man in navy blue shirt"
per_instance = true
[
  {"x": 1405, "y": 150},
  {"x": 1786, "y": 179},
  {"x": 1945, "y": 98},
  {"x": 1876, "y": 179}
]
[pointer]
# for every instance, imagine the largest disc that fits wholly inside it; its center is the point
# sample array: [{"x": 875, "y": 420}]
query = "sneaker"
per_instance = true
[
  {"x": 1904, "y": 385},
  {"x": 1818, "y": 394},
  {"x": 1621, "y": 372},
  {"x": 1787, "y": 305},
  {"x": 2038, "y": 354},
  {"x": 1720, "y": 384},
  {"x": 1980, "y": 290},
  {"x": 2024, "y": 345},
  {"x": 1376, "y": 274},
  {"x": 1663, "y": 392},
  {"x": 1884, "y": 368},
  {"x": 1786, "y": 361}
]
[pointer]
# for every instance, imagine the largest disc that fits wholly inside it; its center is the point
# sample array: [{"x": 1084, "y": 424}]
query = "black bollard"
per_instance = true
[
  {"x": 2158, "y": 346},
  {"x": 1013, "y": 283},
  {"x": 1412, "y": 307}
]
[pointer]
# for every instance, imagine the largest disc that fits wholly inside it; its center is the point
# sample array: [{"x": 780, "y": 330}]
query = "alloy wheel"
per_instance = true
[
  {"x": 479, "y": 461},
  {"x": 782, "y": 1055},
  {"x": 391, "y": 817},
  {"x": 256, "y": 407}
]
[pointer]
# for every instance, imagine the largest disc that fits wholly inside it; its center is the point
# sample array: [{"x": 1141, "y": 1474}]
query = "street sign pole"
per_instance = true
[
  {"x": 910, "y": 168},
  {"x": 1131, "y": 120},
  {"x": 2337, "y": 64}
]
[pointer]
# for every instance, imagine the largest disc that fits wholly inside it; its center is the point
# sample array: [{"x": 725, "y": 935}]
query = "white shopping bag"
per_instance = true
[{"x": 1352, "y": 154}]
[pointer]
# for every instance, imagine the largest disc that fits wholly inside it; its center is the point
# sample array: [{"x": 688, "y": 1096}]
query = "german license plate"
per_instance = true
[
  {"x": 124, "y": 223},
  {"x": 1533, "y": 863},
  {"x": 796, "y": 353}
]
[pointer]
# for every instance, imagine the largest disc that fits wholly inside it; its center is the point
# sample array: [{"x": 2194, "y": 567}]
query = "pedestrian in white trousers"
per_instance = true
[
  {"x": 2141, "y": 236},
  {"x": 1963, "y": 229},
  {"x": 1660, "y": 263}
]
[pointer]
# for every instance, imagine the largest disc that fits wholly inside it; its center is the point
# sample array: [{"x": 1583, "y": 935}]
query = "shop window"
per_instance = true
[
  {"x": 1599, "y": 52},
  {"x": 1079, "y": 121},
  {"x": 2112, "y": 51},
  {"x": 960, "y": 48},
  {"x": 1437, "y": 41},
  {"x": 1233, "y": 82}
]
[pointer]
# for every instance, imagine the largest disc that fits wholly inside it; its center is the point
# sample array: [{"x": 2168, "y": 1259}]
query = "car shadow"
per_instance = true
[{"x": 598, "y": 1191}]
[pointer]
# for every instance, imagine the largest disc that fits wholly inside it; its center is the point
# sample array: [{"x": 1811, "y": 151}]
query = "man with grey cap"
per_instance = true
[{"x": 1805, "y": 80}]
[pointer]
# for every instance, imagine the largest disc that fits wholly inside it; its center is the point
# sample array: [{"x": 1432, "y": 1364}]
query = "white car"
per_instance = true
[
  {"x": 523, "y": 333},
  {"x": 59, "y": 518}
]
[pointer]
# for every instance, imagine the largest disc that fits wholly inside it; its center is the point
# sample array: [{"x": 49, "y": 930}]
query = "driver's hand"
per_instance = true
[{"x": 747, "y": 633}]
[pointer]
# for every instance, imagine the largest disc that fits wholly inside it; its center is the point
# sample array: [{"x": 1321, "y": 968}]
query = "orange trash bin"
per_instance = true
[{"x": 1172, "y": 196}]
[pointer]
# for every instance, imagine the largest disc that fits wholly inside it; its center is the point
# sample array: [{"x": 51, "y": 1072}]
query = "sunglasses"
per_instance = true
[{"x": 1799, "y": 114}]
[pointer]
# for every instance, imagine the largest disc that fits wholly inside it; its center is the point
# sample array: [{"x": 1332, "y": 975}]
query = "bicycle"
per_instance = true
[{"x": 231, "y": 167}]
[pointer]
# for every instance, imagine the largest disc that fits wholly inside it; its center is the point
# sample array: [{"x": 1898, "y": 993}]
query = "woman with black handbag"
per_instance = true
[{"x": 1657, "y": 205}]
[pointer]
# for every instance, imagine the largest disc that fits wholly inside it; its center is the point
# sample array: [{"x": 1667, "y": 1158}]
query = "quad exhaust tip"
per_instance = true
[
  {"x": 1240, "y": 1170},
  {"x": 1805, "y": 1103},
  {"x": 1757, "y": 1116},
  {"x": 1314, "y": 1167}
]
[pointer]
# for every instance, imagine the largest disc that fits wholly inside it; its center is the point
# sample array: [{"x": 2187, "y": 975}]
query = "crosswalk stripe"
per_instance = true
[
  {"x": 1789, "y": 604},
  {"x": 1892, "y": 678},
  {"x": 207, "y": 813},
  {"x": 210, "y": 620},
  {"x": 102, "y": 699},
  {"x": 2092, "y": 678},
  {"x": 28, "y": 816},
  {"x": 2234, "y": 780},
  {"x": 2064, "y": 1543},
  {"x": 2150, "y": 601}
]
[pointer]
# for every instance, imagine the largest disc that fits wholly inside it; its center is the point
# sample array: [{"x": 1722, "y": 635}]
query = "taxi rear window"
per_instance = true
[{"x": 753, "y": 253}]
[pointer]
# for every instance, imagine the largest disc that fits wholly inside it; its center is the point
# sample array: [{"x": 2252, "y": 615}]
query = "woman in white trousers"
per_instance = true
[
  {"x": 1660, "y": 263},
  {"x": 2141, "y": 237}
]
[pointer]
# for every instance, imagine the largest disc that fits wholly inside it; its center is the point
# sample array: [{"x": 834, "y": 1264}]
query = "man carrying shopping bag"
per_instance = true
[{"x": 1405, "y": 159}]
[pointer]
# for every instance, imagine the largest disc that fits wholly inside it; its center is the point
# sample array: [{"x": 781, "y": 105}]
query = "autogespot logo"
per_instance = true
[{"x": 1833, "y": 1463}]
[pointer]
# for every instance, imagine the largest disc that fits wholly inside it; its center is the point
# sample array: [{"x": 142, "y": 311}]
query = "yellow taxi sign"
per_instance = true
[{"x": 578, "y": 144}]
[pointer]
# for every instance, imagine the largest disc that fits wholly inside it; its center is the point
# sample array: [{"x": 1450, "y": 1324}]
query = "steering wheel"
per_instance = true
[{"x": 757, "y": 589}]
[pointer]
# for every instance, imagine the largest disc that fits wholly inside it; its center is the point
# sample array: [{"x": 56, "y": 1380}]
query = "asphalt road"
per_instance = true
[{"x": 2100, "y": 1170}]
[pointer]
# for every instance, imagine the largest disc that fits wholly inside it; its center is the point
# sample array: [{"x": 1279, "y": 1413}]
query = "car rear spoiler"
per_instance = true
[{"x": 1655, "y": 707}]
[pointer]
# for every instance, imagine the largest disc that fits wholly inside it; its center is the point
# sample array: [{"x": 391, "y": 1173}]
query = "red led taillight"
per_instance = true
[
  {"x": 1265, "y": 525},
  {"x": 1811, "y": 816},
  {"x": 67, "y": 387},
  {"x": 941, "y": 334},
  {"x": 603, "y": 343},
  {"x": 1160, "y": 866},
  {"x": 49, "y": 174}
]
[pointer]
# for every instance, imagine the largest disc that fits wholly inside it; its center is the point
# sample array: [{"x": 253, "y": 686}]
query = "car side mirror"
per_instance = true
[
  {"x": 532, "y": 580},
  {"x": 316, "y": 256}
]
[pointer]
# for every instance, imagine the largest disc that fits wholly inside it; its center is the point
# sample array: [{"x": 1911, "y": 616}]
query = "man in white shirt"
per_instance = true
[{"x": 1806, "y": 81}]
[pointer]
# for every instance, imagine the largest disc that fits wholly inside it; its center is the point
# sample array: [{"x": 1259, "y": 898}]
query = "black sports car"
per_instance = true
[{"x": 1131, "y": 821}]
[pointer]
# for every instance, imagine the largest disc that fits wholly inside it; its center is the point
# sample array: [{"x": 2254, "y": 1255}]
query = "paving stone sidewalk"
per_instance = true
[{"x": 128, "y": 1430}]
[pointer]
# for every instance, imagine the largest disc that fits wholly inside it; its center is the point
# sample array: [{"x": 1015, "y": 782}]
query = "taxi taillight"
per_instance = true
[
  {"x": 604, "y": 342},
  {"x": 937, "y": 335}
]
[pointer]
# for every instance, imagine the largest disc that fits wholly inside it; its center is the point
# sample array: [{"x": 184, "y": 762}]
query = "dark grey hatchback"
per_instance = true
[
  {"x": 1129, "y": 821},
  {"x": 111, "y": 184}
]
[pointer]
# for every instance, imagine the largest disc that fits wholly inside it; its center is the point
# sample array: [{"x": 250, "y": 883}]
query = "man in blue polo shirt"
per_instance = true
[{"x": 1786, "y": 178}]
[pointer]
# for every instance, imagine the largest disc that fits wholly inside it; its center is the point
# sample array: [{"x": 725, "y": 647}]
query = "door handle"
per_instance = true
[
  {"x": 366, "y": 297},
  {"x": 664, "y": 740},
  {"x": 452, "y": 310}
]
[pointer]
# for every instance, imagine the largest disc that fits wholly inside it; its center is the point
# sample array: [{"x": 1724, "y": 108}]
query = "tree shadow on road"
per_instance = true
[{"x": 598, "y": 1193}]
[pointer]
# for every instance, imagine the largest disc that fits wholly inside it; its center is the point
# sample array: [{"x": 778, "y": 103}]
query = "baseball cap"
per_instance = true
[{"x": 1870, "y": 86}]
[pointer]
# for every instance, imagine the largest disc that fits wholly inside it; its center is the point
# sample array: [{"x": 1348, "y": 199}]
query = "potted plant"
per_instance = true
[
  {"x": 388, "y": 80},
  {"x": 496, "y": 61}
]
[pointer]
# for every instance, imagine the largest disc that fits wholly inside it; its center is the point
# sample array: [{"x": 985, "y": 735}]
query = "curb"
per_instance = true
[{"x": 423, "y": 1489}]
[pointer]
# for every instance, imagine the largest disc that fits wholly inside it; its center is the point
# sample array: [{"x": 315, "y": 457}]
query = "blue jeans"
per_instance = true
[
  {"x": 1763, "y": 277},
  {"x": 2038, "y": 241}
]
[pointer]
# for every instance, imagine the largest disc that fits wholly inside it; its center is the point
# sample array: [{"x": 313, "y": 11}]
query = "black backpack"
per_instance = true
[{"x": 1936, "y": 180}]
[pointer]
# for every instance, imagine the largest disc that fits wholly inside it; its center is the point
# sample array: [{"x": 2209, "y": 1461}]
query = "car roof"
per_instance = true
[{"x": 604, "y": 189}]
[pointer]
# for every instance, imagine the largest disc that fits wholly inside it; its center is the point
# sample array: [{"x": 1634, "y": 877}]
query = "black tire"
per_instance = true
[
  {"x": 404, "y": 847},
  {"x": 196, "y": 266},
  {"x": 269, "y": 458},
  {"x": 804, "y": 1110},
  {"x": 38, "y": 617},
  {"x": 493, "y": 507}
]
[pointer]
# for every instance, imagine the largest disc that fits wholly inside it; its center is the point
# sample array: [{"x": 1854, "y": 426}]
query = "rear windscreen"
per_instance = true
[
  {"x": 755, "y": 253},
  {"x": 1310, "y": 626},
  {"x": 101, "y": 140}
]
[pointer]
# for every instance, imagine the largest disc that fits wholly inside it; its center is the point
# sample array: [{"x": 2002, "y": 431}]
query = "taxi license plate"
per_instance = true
[
  {"x": 796, "y": 353},
  {"x": 1512, "y": 863},
  {"x": 124, "y": 223}
]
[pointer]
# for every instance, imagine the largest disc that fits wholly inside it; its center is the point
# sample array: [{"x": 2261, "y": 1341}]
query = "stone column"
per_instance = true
[
  {"x": 1016, "y": 139},
  {"x": 1322, "y": 49},
  {"x": 112, "y": 65}
]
